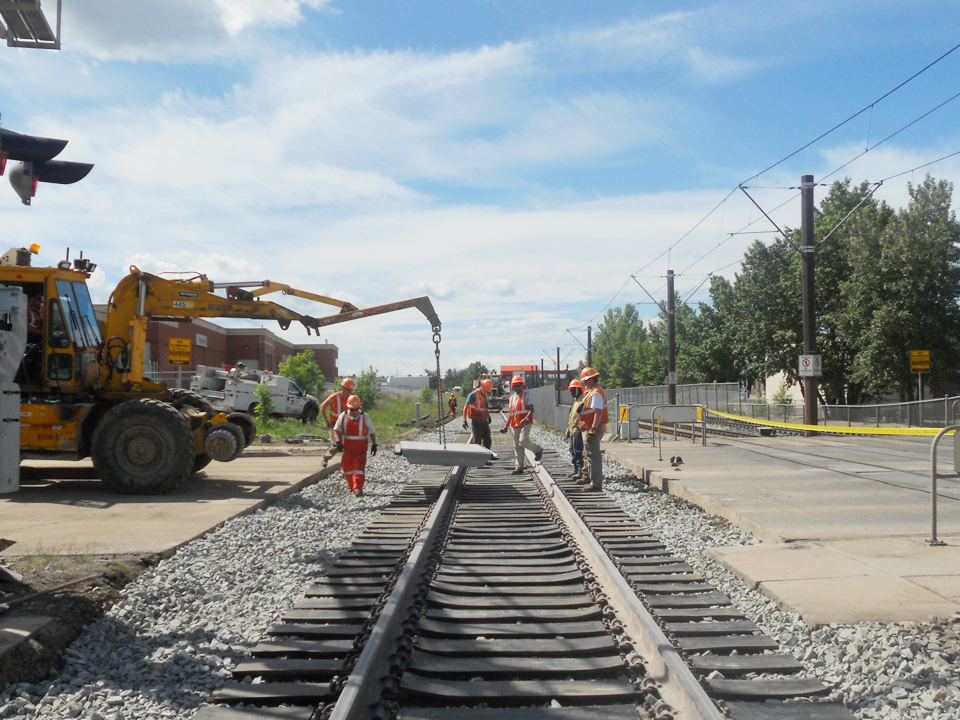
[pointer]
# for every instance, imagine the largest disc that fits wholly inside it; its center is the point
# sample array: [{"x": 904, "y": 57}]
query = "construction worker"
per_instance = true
[
  {"x": 479, "y": 416},
  {"x": 573, "y": 430},
  {"x": 330, "y": 411},
  {"x": 351, "y": 431},
  {"x": 452, "y": 403},
  {"x": 519, "y": 422},
  {"x": 593, "y": 423}
]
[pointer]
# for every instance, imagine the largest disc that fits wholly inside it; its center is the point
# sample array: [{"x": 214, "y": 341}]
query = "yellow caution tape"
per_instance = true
[{"x": 834, "y": 428}]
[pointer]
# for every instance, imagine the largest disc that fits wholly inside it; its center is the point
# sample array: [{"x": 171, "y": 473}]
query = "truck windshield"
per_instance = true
[{"x": 78, "y": 309}]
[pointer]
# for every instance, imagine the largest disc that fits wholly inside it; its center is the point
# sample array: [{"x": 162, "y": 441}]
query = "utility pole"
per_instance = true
[
  {"x": 558, "y": 376},
  {"x": 589, "y": 347},
  {"x": 542, "y": 379},
  {"x": 671, "y": 342},
  {"x": 808, "y": 297}
]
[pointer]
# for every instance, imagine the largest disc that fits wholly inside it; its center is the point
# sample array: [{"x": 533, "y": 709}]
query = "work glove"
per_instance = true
[
  {"x": 464, "y": 424},
  {"x": 580, "y": 409},
  {"x": 503, "y": 429},
  {"x": 566, "y": 435},
  {"x": 373, "y": 450},
  {"x": 592, "y": 434},
  {"x": 339, "y": 446}
]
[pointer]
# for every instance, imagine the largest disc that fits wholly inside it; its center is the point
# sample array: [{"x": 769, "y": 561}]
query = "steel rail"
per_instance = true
[
  {"x": 363, "y": 687},
  {"x": 680, "y": 687}
]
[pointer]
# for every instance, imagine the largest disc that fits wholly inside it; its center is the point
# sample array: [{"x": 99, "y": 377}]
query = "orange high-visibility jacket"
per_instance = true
[
  {"x": 477, "y": 410},
  {"x": 586, "y": 417},
  {"x": 520, "y": 412}
]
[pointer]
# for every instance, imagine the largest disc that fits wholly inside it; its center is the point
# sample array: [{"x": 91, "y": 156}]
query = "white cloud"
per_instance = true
[{"x": 168, "y": 29}]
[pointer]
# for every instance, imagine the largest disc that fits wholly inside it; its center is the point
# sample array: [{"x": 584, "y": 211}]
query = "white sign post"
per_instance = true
[{"x": 811, "y": 366}]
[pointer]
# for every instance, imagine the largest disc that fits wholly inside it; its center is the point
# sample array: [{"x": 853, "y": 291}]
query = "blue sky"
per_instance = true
[{"x": 517, "y": 161}]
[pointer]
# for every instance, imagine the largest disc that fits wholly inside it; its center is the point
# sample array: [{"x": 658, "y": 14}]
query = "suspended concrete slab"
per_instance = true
[{"x": 458, "y": 455}]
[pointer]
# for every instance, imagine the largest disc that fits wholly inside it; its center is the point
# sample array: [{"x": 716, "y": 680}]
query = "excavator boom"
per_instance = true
[{"x": 141, "y": 297}]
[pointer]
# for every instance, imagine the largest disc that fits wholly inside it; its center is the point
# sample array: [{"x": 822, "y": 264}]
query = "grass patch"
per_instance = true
[{"x": 391, "y": 417}]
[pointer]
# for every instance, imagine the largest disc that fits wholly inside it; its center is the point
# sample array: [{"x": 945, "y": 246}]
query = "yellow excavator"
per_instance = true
[{"x": 82, "y": 388}]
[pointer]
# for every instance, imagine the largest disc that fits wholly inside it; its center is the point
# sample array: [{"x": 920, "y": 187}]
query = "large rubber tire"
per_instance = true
[
  {"x": 311, "y": 411},
  {"x": 143, "y": 447},
  {"x": 245, "y": 423},
  {"x": 181, "y": 398}
]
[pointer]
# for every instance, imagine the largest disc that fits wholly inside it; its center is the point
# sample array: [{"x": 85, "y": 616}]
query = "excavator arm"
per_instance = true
[{"x": 141, "y": 297}]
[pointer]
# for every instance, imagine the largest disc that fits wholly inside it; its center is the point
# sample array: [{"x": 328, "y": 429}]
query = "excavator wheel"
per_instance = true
[
  {"x": 182, "y": 398},
  {"x": 311, "y": 411},
  {"x": 245, "y": 423},
  {"x": 143, "y": 447}
]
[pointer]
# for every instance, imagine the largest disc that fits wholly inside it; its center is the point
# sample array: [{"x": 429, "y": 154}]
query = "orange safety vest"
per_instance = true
[
  {"x": 354, "y": 430},
  {"x": 337, "y": 407},
  {"x": 586, "y": 417},
  {"x": 520, "y": 413},
  {"x": 477, "y": 410}
]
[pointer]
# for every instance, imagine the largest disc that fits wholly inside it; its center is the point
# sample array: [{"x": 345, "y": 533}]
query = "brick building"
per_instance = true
[{"x": 213, "y": 345}]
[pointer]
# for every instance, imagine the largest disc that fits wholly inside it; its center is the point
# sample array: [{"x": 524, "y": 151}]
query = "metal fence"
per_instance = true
[
  {"x": 922, "y": 413},
  {"x": 728, "y": 397}
]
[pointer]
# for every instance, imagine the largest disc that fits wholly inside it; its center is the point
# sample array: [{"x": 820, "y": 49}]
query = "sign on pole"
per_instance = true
[
  {"x": 811, "y": 366},
  {"x": 672, "y": 378},
  {"x": 179, "y": 351},
  {"x": 919, "y": 361}
]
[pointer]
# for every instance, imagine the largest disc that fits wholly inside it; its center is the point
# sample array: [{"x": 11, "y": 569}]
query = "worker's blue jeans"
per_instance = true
[{"x": 576, "y": 450}]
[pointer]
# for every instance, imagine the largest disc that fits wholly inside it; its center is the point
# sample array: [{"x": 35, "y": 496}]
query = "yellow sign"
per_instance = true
[
  {"x": 624, "y": 413},
  {"x": 179, "y": 351},
  {"x": 919, "y": 361}
]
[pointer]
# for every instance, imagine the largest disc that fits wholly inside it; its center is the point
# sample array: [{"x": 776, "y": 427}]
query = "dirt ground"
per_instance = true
[{"x": 72, "y": 608}]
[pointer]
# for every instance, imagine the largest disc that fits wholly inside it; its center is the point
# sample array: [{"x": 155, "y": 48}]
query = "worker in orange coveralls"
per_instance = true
[
  {"x": 452, "y": 403},
  {"x": 351, "y": 432},
  {"x": 331, "y": 409}
]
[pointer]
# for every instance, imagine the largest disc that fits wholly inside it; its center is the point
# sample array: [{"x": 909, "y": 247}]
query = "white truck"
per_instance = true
[{"x": 235, "y": 391}]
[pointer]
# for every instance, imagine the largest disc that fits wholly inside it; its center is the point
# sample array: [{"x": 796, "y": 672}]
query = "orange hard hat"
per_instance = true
[
  {"x": 486, "y": 385},
  {"x": 353, "y": 402},
  {"x": 575, "y": 384},
  {"x": 452, "y": 395},
  {"x": 517, "y": 380},
  {"x": 348, "y": 383},
  {"x": 588, "y": 372}
]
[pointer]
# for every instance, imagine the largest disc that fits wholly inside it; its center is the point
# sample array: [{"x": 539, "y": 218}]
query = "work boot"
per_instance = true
[
  {"x": 584, "y": 481},
  {"x": 517, "y": 471},
  {"x": 575, "y": 474},
  {"x": 595, "y": 486},
  {"x": 538, "y": 454},
  {"x": 358, "y": 493},
  {"x": 495, "y": 456},
  {"x": 323, "y": 463}
]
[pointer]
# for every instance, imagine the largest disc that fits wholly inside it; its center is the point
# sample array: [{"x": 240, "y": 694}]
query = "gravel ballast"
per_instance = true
[
  {"x": 178, "y": 629},
  {"x": 879, "y": 670}
]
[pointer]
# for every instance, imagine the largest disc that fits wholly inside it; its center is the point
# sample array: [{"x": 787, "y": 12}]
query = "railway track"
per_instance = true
[
  {"x": 483, "y": 594},
  {"x": 718, "y": 426}
]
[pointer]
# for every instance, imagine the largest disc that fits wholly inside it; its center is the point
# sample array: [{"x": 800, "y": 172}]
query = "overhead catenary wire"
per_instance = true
[{"x": 828, "y": 132}]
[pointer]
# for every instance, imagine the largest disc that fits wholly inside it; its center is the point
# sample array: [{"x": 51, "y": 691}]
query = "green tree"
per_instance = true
[
  {"x": 265, "y": 405},
  {"x": 303, "y": 370},
  {"x": 902, "y": 294},
  {"x": 710, "y": 352},
  {"x": 426, "y": 395},
  {"x": 368, "y": 388},
  {"x": 621, "y": 349}
]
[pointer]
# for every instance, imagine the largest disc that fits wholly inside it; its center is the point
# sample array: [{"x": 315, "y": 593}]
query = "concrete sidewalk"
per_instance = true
[
  {"x": 62, "y": 509},
  {"x": 843, "y": 520}
]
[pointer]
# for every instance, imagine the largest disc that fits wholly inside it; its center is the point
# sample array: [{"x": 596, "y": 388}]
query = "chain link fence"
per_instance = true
[{"x": 729, "y": 398}]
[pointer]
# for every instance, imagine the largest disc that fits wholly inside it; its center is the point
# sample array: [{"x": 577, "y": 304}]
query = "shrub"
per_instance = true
[
  {"x": 368, "y": 389},
  {"x": 265, "y": 406}
]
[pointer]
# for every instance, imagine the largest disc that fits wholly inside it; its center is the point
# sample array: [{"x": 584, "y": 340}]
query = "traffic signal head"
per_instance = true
[{"x": 36, "y": 163}]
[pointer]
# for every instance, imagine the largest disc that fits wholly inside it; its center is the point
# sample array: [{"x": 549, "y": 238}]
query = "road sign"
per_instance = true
[
  {"x": 811, "y": 366},
  {"x": 179, "y": 352},
  {"x": 919, "y": 361},
  {"x": 671, "y": 378},
  {"x": 624, "y": 413}
]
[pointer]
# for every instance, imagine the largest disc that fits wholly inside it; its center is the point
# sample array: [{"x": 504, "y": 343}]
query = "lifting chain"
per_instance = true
[{"x": 441, "y": 417}]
